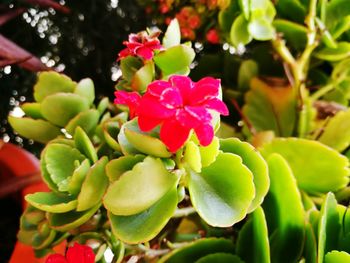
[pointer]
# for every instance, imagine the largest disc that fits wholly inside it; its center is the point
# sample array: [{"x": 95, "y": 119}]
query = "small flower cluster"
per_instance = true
[
  {"x": 179, "y": 106},
  {"x": 141, "y": 45},
  {"x": 75, "y": 254}
]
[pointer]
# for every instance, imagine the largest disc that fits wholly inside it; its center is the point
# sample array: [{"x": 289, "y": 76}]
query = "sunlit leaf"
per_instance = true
[
  {"x": 116, "y": 167},
  {"x": 37, "y": 130},
  {"x": 86, "y": 89},
  {"x": 148, "y": 223},
  {"x": 279, "y": 115},
  {"x": 172, "y": 36},
  {"x": 328, "y": 227},
  {"x": 255, "y": 163},
  {"x": 60, "y": 108},
  {"x": 51, "y": 82},
  {"x": 143, "y": 77},
  {"x": 51, "y": 202},
  {"x": 87, "y": 120},
  {"x": 337, "y": 257},
  {"x": 55, "y": 156},
  {"x": 94, "y": 186},
  {"x": 337, "y": 132},
  {"x": 342, "y": 51},
  {"x": 221, "y": 193},
  {"x": 253, "y": 239},
  {"x": 287, "y": 229},
  {"x": 181, "y": 57},
  {"x": 239, "y": 31},
  {"x": 139, "y": 188},
  {"x": 70, "y": 220},
  {"x": 304, "y": 158}
]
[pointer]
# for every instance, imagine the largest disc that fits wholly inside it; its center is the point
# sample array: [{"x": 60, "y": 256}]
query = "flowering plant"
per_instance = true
[{"x": 156, "y": 176}]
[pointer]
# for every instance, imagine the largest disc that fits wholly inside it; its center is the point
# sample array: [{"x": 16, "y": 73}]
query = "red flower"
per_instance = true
[
  {"x": 131, "y": 99},
  {"x": 180, "y": 106},
  {"x": 75, "y": 254},
  {"x": 213, "y": 36},
  {"x": 141, "y": 45}
]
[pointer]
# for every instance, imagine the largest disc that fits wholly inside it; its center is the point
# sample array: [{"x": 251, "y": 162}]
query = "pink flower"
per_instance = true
[
  {"x": 180, "y": 106},
  {"x": 75, "y": 254},
  {"x": 141, "y": 45},
  {"x": 131, "y": 99}
]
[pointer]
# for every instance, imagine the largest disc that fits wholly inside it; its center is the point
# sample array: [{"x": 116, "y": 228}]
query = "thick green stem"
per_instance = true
[{"x": 322, "y": 91}]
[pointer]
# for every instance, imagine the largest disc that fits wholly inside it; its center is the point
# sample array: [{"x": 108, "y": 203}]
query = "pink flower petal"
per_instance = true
[
  {"x": 217, "y": 105},
  {"x": 171, "y": 98},
  {"x": 151, "y": 107},
  {"x": 148, "y": 123},
  {"x": 144, "y": 52},
  {"x": 56, "y": 258},
  {"x": 174, "y": 135},
  {"x": 80, "y": 254},
  {"x": 131, "y": 99},
  {"x": 205, "y": 89},
  {"x": 157, "y": 87},
  {"x": 124, "y": 53},
  {"x": 192, "y": 117},
  {"x": 205, "y": 134},
  {"x": 184, "y": 84}
]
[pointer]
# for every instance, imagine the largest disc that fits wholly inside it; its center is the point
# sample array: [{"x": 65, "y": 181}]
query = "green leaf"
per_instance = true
[
  {"x": 255, "y": 163},
  {"x": 288, "y": 229},
  {"x": 295, "y": 34},
  {"x": 239, "y": 31},
  {"x": 103, "y": 105},
  {"x": 226, "y": 16},
  {"x": 253, "y": 239},
  {"x": 209, "y": 153},
  {"x": 172, "y": 36},
  {"x": 117, "y": 167},
  {"x": 60, "y": 163},
  {"x": 78, "y": 177},
  {"x": 148, "y": 223},
  {"x": 45, "y": 173},
  {"x": 312, "y": 175},
  {"x": 140, "y": 188},
  {"x": 222, "y": 194},
  {"x": 247, "y": 71},
  {"x": 52, "y": 202},
  {"x": 261, "y": 29},
  {"x": 38, "y": 130},
  {"x": 328, "y": 227},
  {"x": 86, "y": 89},
  {"x": 129, "y": 66},
  {"x": 32, "y": 109},
  {"x": 143, "y": 77},
  {"x": 337, "y": 257},
  {"x": 84, "y": 145},
  {"x": 337, "y": 132},
  {"x": 198, "y": 249},
  {"x": 336, "y": 10},
  {"x": 192, "y": 156},
  {"x": 279, "y": 116},
  {"x": 60, "y": 108},
  {"x": 181, "y": 57},
  {"x": 87, "y": 120},
  {"x": 132, "y": 141},
  {"x": 94, "y": 186},
  {"x": 293, "y": 10},
  {"x": 220, "y": 258},
  {"x": 245, "y": 7},
  {"x": 310, "y": 246},
  {"x": 51, "y": 82},
  {"x": 111, "y": 129},
  {"x": 71, "y": 220},
  {"x": 342, "y": 51}
]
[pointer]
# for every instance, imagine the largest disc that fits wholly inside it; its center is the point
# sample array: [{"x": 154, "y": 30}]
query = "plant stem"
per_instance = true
[
  {"x": 298, "y": 67},
  {"x": 322, "y": 91}
]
